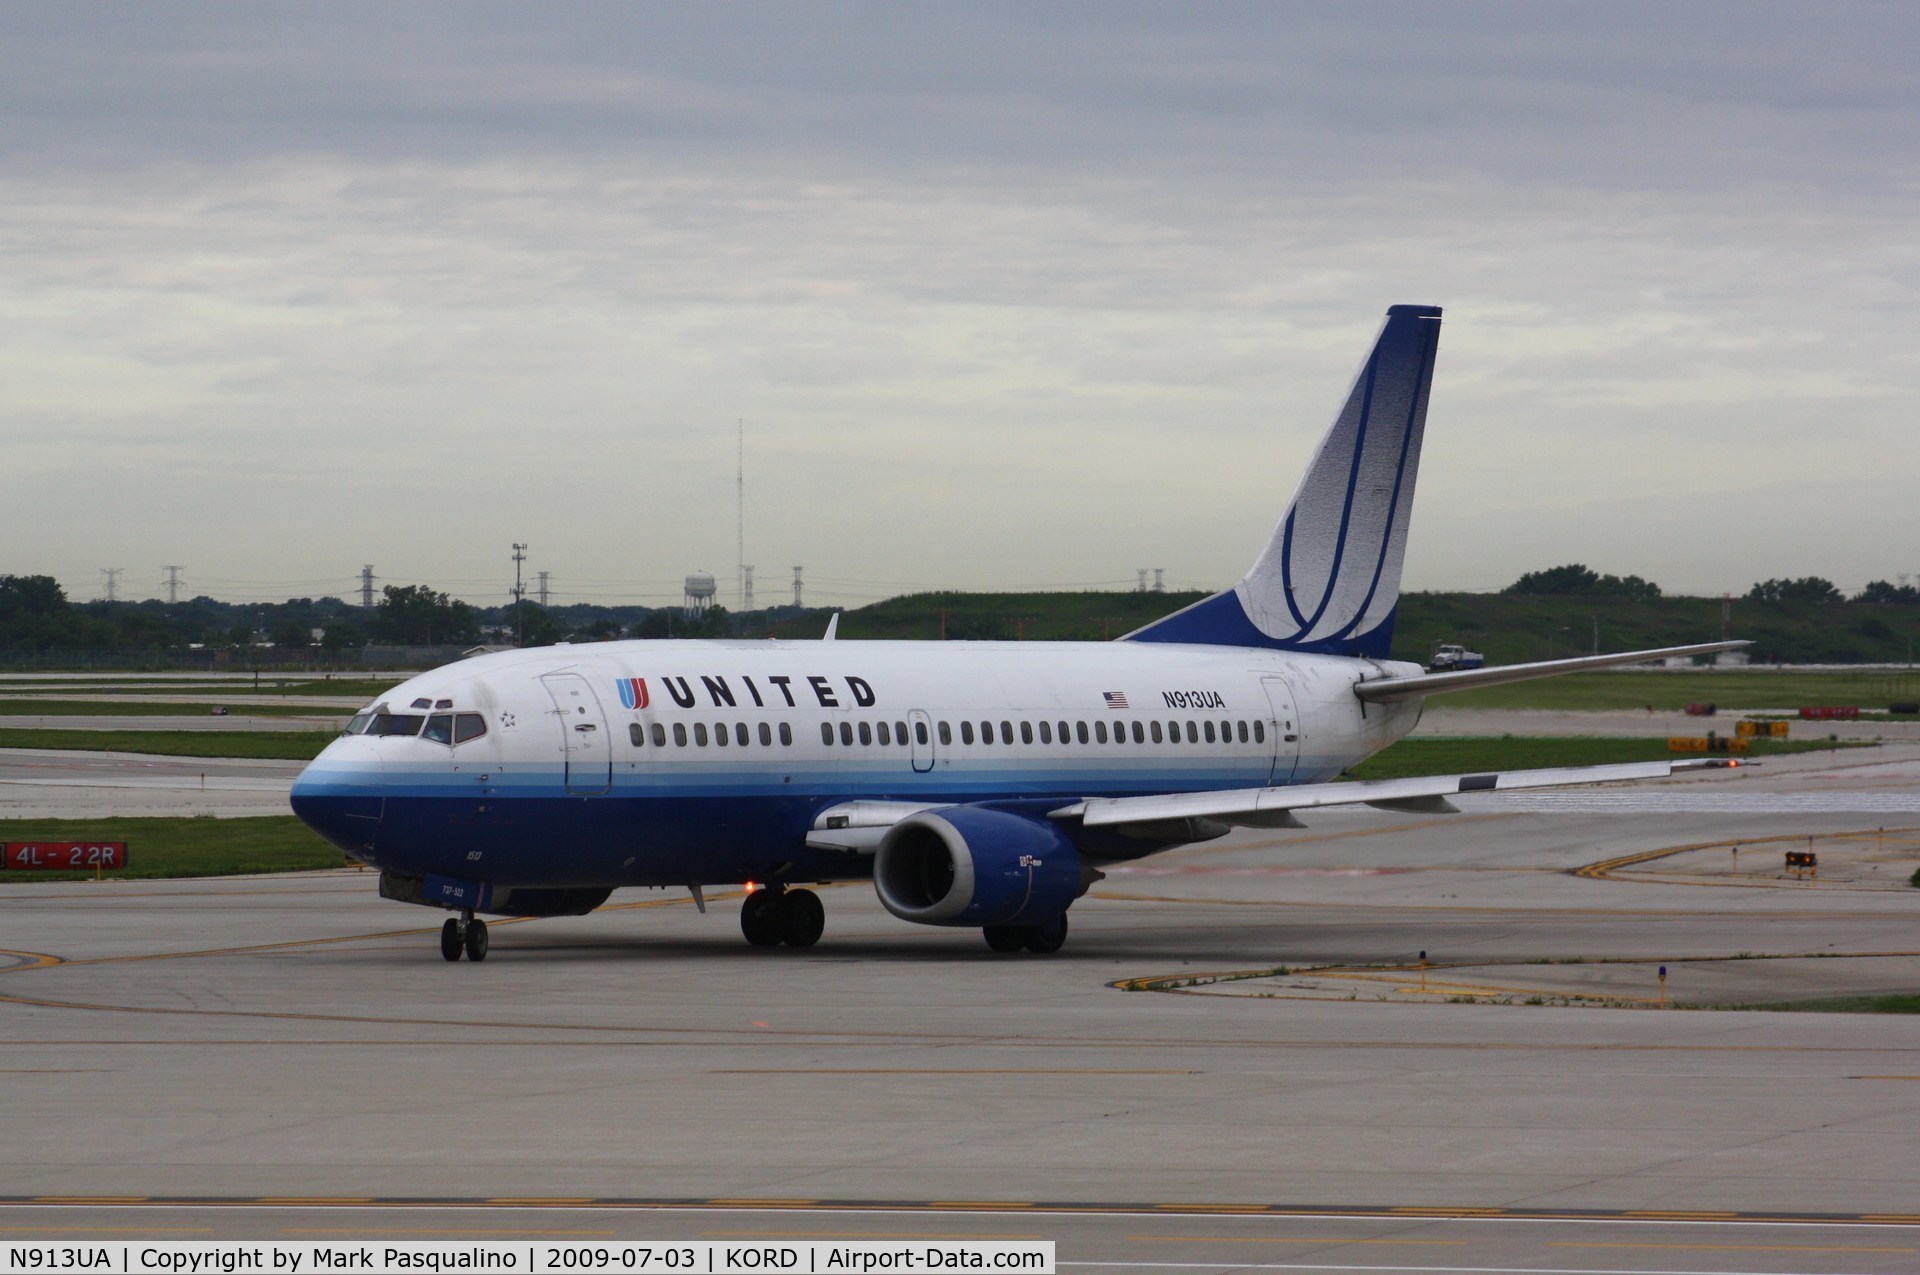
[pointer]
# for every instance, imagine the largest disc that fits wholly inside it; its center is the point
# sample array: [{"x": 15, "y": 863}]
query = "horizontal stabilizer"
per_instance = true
[
  {"x": 1388, "y": 689},
  {"x": 1257, "y": 807}
]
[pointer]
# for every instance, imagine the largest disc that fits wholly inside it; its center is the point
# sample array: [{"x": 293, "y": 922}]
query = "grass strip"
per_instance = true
[
  {"x": 1447, "y": 756},
  {"x": 1732, "y": 690},
  {"x": 148, "y": 708},
  {"x": 359, "y": 688},
  {"x": 282, "y": 745},
  {"x": 1895, "y": 1003},
  {"x": 181, "y": 847}
]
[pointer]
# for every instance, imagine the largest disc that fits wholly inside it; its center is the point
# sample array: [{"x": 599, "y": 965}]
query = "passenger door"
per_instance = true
[
  {"x": 1284, "y": 729},
  {"x": 922, "y": 727},
  {"x": 584, "y": 745}
]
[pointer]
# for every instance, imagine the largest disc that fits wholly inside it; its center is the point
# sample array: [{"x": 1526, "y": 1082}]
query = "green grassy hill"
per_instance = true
[{"x": 1509, "y": 629}]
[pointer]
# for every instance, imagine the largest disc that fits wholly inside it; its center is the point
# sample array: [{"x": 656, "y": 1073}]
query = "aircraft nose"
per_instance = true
[{"x": 342, "y": 794}]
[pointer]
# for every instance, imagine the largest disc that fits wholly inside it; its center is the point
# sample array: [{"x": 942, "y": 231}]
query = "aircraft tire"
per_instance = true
[
  {"x": 450, "y": 940},
  {"x": 760, "y": 918},
  {"x": 476, "y": 940},
  {"x": 1045, "y": 939},
  {"x": 1005, "y": 938},
  {"x": 803, "y": 919}
]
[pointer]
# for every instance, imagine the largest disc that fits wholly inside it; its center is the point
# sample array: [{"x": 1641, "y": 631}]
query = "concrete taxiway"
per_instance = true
[
  {"x": 49, "y": 783},
  {"x": 290, "y": 1056}
]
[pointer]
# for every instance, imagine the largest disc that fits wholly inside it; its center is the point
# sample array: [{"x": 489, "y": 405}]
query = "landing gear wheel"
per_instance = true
[
  {"x": 1005, "y": 938},
  {"x": 450, "y": 940},
  {"x": 1043, "y": 939},
  {"x": 476, "y": 940},
  {"x": 802, "y": 918},
  {"x": 760, "y": 918}
]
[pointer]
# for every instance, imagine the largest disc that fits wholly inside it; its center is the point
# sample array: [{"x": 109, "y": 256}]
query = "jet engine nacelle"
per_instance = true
[{"x": 965, "y": 865}]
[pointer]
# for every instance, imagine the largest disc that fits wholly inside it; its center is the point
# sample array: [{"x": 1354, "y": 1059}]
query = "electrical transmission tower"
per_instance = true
[
  {"x": 112, "y": 576},
  {"x": 366, "y": 586},
  {"x": 173, "y": 583},
  {"x": 541, "y": 587},
  {"x": 519, "y": 592},
  {"x": 796, "y": 588},
  {"x": 746, "y": 588}
]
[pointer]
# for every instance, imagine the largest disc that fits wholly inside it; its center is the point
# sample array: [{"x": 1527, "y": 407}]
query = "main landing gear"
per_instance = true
[
  {"x": 468, "y": 934},
  {"x": 776, "y": 915},
  {"x": 1039, "y": 939}
]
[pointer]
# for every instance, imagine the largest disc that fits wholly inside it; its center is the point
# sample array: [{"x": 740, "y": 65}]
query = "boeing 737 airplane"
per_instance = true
[{"x": 978, "y": 784}]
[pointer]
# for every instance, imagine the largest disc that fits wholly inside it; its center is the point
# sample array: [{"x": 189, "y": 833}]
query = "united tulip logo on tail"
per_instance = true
[{"x": 633, "y": 692}]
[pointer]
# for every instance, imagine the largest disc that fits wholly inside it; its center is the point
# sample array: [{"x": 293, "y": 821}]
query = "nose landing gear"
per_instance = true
[
  {"x": 776, "y": 915},
  {"x": 468, "y": 934}
]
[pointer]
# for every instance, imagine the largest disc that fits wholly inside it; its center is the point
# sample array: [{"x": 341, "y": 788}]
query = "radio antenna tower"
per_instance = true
[
  {"x": 112, "y": 575},
  {"x": 366, "y": 586},
  {"x": 173, "y": 583},
  {"x": 740, "y": 514}
]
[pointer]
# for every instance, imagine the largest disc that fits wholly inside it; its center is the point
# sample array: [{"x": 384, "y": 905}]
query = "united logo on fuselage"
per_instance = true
[{"x": 633, "y": 692}]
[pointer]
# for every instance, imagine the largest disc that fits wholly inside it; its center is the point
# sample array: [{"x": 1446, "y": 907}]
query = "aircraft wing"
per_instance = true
[
  {"x": 1385, "y": 689},
  {"x": 1275, "y": 807}
]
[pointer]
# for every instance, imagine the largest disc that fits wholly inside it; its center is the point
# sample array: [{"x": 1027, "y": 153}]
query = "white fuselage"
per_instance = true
[{"x": 637, "y": 763}]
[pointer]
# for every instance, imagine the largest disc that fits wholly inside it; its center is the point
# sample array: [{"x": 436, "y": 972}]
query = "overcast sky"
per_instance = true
[{"x": 1007, "y": 295}]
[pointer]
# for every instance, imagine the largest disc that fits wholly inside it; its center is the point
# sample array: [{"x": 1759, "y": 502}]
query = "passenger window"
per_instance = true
[
  {"x": 986, "y": 732},
  {"x": 786, "y": 735},
  {"x": 920, "y": 733},
  {"x": 1243, "y": 731},
  {"x": 700, "y": 734},
  {"x": 766, "y": 735},
  {"x": 866, "y": 734},
  {"x": 659, "y": 735},
  {"x": 886, "y": 736},
  {"x": 1259, "y": 732},
  {"x": 1100, "y": 732},
  {"x": 1026, "y": 732},
  {"x": 826, "y": 732},
  {"x": 1209, "y": 732},
  {"x": 966, "y": 732},
  {"x": 468, "y": 726},
  {"x": 846, "y": 734},
  {"x": 900, "y": 734},
  {"x": 1193, "y": 732},
  {"x": 637, "y": 733},
  {"x": 679, "y": 735},
  {"x": 1046, "y": 733},
  {"x": 1156, "y": 732},
  {"x": 740, "y": 733},
  {"x": 719, "y": 735},
  {"x": 946, "y": 735},
  {"x": 1080, "y": 728},
  {"x": 439, "y": 728},
  {"x": 1066, "y": 733}
]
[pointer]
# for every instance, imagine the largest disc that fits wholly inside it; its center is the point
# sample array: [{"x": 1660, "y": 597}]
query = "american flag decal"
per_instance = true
[
  {"x": 1115, "y": 699},
  {"x": 633, "y": 692}
]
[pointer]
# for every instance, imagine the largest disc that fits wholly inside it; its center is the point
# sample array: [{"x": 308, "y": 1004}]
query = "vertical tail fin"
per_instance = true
[{"x": 1329, "y": 579}]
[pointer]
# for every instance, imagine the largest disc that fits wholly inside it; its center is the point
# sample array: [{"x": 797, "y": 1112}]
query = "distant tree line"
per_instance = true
[
  {"x": 1576, "y": 579},
  {"x": 36, "y": 617}
]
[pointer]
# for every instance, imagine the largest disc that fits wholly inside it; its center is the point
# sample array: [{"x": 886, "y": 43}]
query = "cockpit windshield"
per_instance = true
[{"x": 379, "y": 723}]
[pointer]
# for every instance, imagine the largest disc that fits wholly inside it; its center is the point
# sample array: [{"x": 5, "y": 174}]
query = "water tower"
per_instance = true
[{"x": 700, "y": 591}]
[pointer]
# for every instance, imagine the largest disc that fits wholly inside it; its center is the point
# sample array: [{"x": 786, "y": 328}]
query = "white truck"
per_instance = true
[{"x": 1450, "y": 656}]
